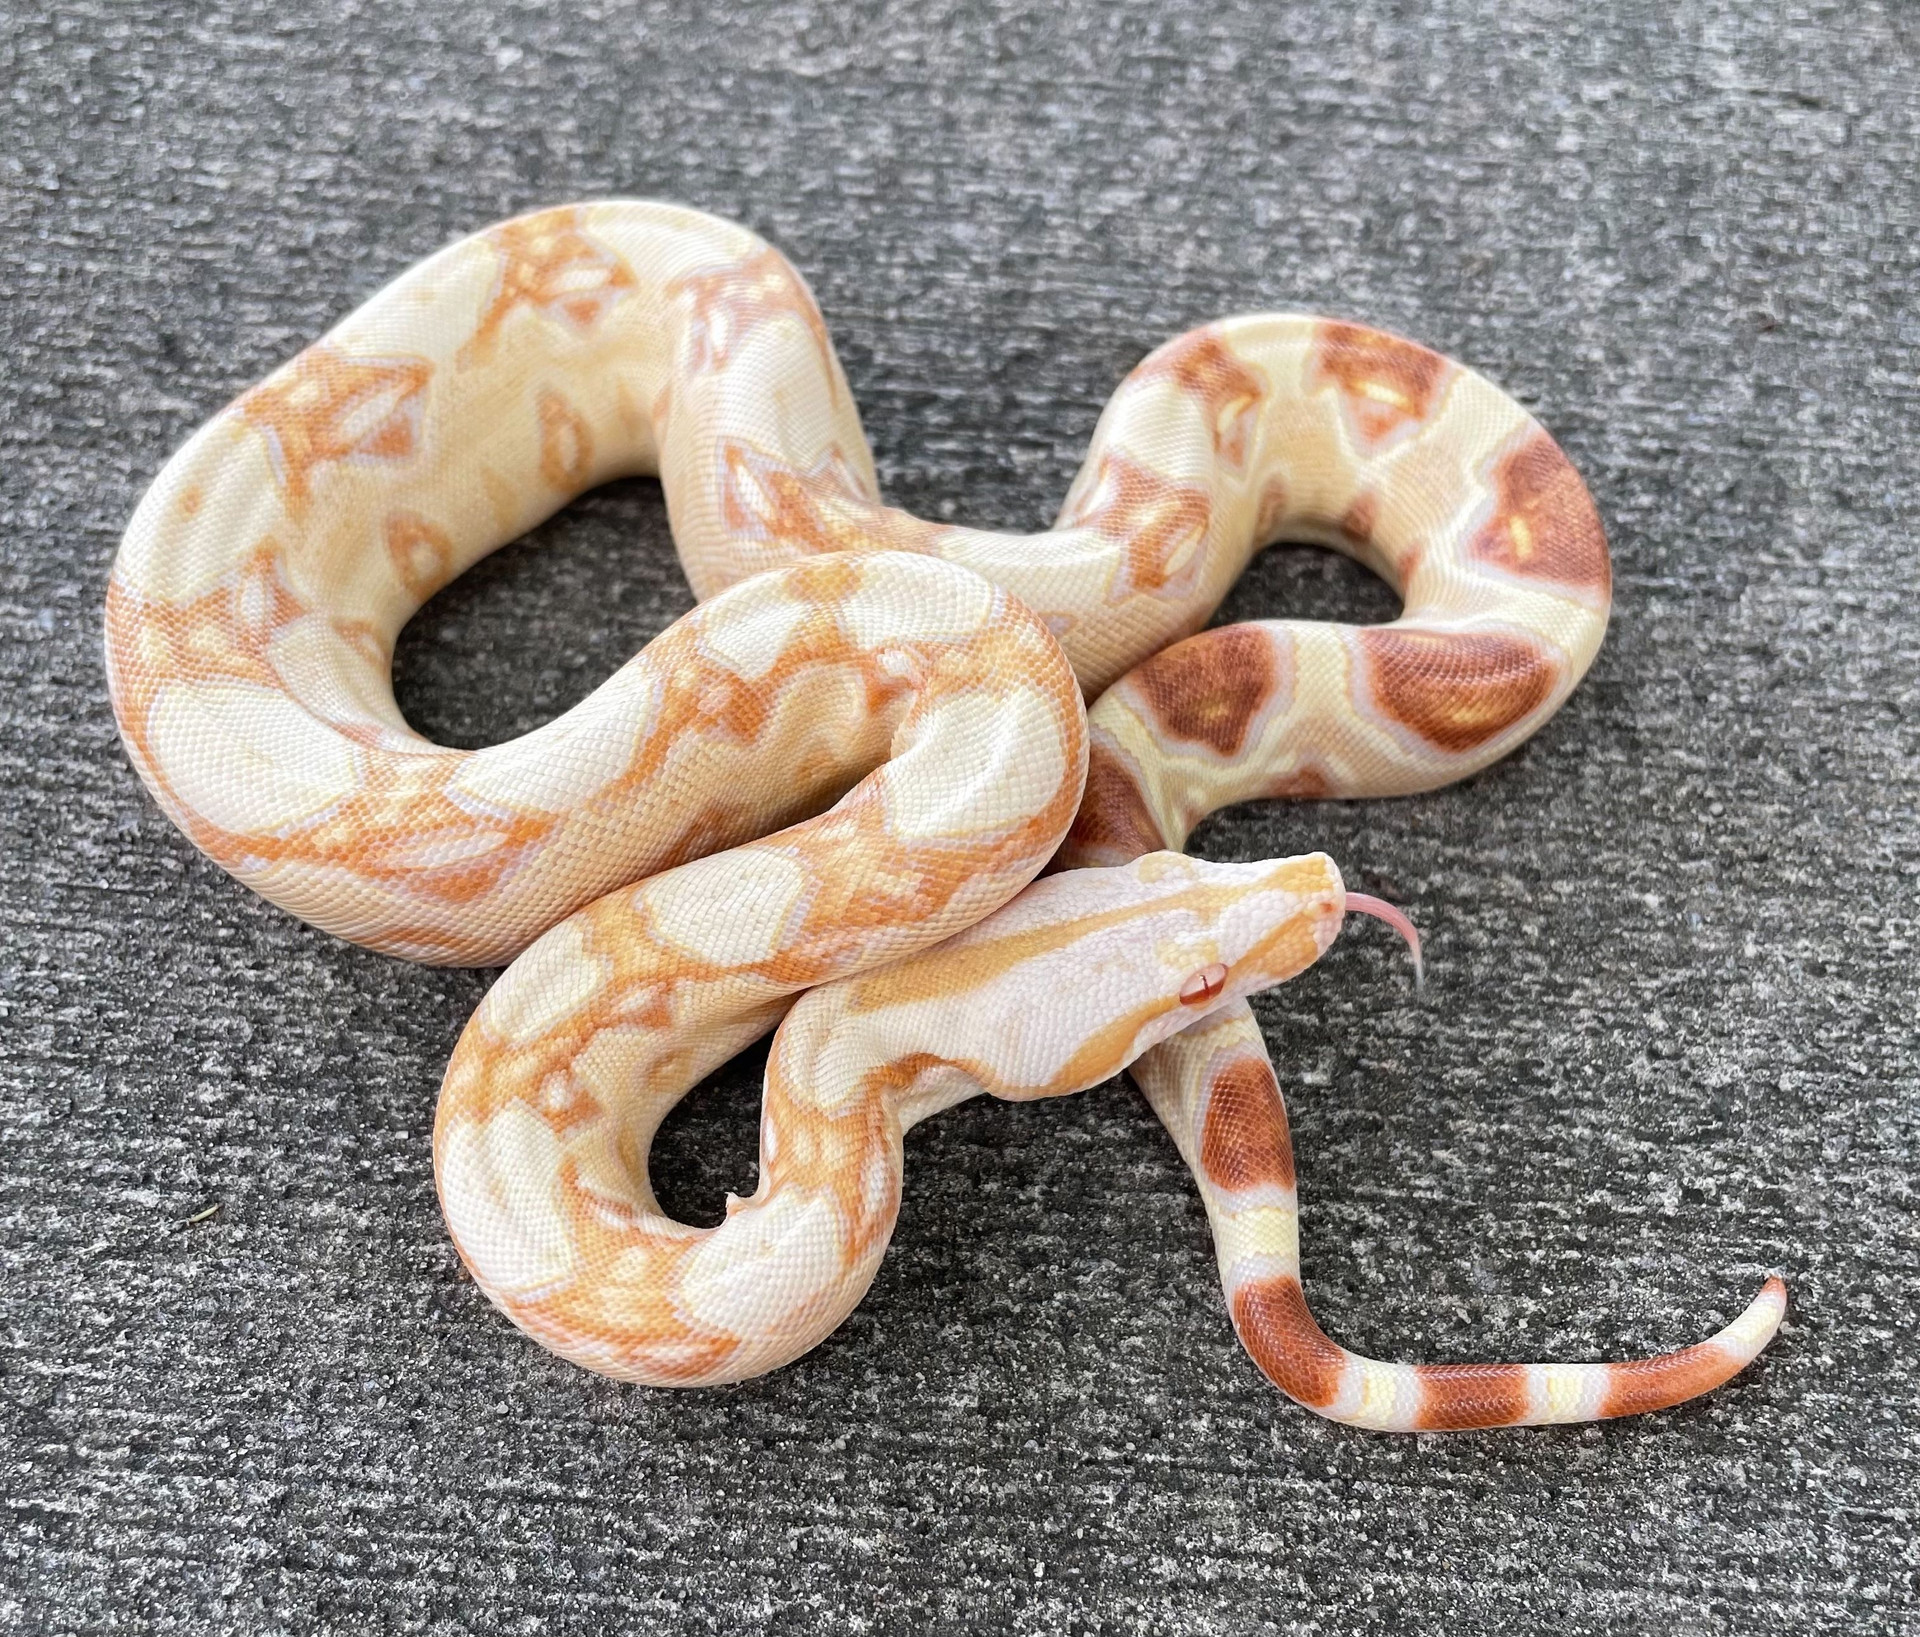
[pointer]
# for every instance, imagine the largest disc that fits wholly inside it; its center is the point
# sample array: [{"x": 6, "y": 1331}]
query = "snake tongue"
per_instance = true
[{"x": 1381, "y": 910}]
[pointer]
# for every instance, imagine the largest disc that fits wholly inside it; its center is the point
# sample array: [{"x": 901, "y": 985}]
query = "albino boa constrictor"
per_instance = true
[{"x": 839, "y": 772}]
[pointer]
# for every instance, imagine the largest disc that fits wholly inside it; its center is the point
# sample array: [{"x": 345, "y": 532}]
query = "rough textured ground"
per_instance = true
[{"x": 1669, "y": 1043}]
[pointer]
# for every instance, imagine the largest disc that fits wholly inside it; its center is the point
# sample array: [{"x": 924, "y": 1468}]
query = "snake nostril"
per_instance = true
[{"x": 1203, "y": 985}]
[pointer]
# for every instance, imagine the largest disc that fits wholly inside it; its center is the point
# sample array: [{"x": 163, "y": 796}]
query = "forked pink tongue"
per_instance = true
[{"x": 1381, "y": 910}]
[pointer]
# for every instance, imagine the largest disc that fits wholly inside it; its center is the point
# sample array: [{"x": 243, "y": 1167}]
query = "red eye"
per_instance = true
[{"x": 1203, "y": 985}]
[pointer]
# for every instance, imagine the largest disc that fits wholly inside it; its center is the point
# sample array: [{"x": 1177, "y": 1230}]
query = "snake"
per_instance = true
[{"x": 857, "y": 795}]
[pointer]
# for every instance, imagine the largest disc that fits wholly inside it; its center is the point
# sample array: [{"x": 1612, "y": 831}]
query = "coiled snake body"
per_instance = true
[{"x": 840, "y": 773}]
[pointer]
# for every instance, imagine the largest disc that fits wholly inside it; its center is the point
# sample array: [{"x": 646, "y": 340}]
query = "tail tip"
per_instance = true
[{"x": 1749, "y": 1334}]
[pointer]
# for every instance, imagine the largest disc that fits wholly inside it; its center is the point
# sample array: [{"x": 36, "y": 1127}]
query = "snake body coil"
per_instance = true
[{"x": 838, "y": 774}]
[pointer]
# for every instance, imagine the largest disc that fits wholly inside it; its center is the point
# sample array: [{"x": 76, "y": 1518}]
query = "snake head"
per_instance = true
[
  {"x": 1210, "y": 934},
  {"x": 1068, "y": 983},
  {"x": 1265, "y": 916},
  {"x": 1081, "y": 973}
]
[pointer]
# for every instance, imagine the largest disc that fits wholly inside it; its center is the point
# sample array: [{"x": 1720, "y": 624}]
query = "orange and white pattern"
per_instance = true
[
  {"x": 867, "y": 740},
  {"x": 1215, "y": 1091},
  {"x": 557, "y": 1086}
]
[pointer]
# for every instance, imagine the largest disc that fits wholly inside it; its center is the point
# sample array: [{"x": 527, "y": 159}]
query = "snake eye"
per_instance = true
[{"x": 1203, "y": 985}]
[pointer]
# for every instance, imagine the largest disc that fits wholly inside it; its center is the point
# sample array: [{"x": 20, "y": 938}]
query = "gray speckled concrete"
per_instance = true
[{"x": 1669, "y": 1043}]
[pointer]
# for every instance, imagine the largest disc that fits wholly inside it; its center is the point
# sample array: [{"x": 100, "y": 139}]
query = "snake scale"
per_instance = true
[{"x": 842, "y": 776}]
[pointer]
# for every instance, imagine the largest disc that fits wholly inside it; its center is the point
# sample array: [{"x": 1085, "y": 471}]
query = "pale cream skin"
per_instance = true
[
  {"x": 1084, "y": 974},
  {"x": 258, "y": 590},
  {"x": 1056, "y": 992},
  {"x": 634, "y": 849}
]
